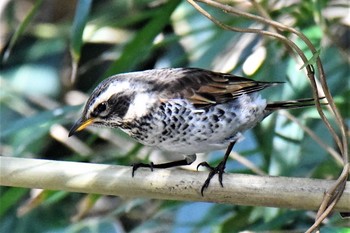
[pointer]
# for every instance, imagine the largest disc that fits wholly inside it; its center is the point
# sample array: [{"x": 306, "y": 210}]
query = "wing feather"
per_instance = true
[{"x": 205, "y": 88}]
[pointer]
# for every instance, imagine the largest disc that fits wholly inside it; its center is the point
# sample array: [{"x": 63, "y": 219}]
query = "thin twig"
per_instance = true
[
  {"x": 335, "y": 191},
  {"x": 317, "y": 139},
  {"x": 326, "y": 206},
  {"x": 310, "y": 72},
  {"x": 245, "y": 162}
]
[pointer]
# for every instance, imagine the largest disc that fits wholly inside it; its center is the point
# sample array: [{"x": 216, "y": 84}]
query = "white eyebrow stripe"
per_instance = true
[{"x": 113, "y": 88}]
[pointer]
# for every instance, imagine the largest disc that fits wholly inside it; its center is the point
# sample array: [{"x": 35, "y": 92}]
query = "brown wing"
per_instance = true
[{"x": 204, "y": 88}]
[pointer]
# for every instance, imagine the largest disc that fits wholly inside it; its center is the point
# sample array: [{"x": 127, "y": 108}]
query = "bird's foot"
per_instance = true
[
  {"x": 219, "y": 169},
  {"x": 187, "y": 161},
  {"x": 136, "y": 166}
]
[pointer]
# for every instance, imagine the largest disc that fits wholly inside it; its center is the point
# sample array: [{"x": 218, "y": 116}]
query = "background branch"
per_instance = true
[
  {"x": 240, "y": 189},
  {"x": 333, "y": 193}
]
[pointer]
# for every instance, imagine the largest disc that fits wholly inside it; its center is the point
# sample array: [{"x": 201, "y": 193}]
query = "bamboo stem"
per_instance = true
[{"x": 171, "y": 184}]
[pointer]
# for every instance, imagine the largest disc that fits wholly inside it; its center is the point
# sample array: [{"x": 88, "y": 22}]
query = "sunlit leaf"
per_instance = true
[{"x": 79, "y": 22}]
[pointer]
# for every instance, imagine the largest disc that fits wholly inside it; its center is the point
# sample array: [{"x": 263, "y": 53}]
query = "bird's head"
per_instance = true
[{"x": 107, "y": 105}]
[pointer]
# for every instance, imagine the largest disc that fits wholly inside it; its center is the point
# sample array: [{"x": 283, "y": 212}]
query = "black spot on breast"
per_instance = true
[
  {"x": 174, "y": 118},
  {"x": 144, "y": 124},
  {"x": 220, "y": 112},
  {"x": 182, "y": 110},
  {"x": 178, "y": 105},
  {"x": 185, "y": 126},
  {"x": 165, "y": 132},
  {"x": 173, "y": 126},
  {"x": 215, "y": 118},
  {"x": 147, "y": 117},
  {"x": 252, "y": 111},
  {"x": 164, "y": 123}
]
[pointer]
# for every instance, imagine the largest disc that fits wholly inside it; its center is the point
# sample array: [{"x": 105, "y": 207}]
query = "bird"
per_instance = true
[{"x": 184, "y": 111}]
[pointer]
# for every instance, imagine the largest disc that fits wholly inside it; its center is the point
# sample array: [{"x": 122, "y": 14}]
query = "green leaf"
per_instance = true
[
  {"x": 28, "y": 134},
  {"x": 327, "y": 229},
  {"x": 312, "y": 60},
  {"x": 39, "y": 121},
  {"x": 238, "y": 221},
  {"x": 10, "y": 198},
  {"x": 80, "y": 19},
  {"x": 277, "y": 222},
  {"x": 22, "y": 27},
  {"x": 138, "y": 48}
]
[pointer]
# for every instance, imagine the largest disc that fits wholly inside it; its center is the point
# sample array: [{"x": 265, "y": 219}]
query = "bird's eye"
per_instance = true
[
  {"x": 101, "y": 107},
  {"x": 100, "y": 110}
]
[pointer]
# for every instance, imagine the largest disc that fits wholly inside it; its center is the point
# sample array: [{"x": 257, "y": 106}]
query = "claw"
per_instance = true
[
  {"x": 219, "y": 169},
  {"x": 204, "y": 164},
  {"x": 136, "y": 166}
]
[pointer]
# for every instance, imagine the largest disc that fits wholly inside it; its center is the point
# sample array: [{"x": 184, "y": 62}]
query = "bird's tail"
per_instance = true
[{"x": 291, "y": 104}]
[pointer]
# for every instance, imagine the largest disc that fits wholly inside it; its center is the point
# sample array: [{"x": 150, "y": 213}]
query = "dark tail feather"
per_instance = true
[{"x": 291, "y": 104}]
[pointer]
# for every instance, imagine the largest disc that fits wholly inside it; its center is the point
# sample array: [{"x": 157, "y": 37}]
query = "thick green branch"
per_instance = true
[{"x": 171, "y": 184}]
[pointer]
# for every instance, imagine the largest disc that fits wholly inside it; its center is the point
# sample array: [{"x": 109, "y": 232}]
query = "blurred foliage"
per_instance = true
[{"x": 38, "y": 97}]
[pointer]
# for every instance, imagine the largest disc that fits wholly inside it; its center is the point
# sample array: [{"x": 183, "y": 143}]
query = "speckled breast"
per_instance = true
[{"x": 178, "y": 126}]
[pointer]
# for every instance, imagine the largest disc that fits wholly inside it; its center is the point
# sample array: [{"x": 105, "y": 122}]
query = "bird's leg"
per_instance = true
[
  {"x": 186, "y": 161},
  {"x": 219, "y": 169}
]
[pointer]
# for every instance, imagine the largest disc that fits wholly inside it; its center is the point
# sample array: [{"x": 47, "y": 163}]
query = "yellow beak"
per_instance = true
[{"x": 80, "y": 125}]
